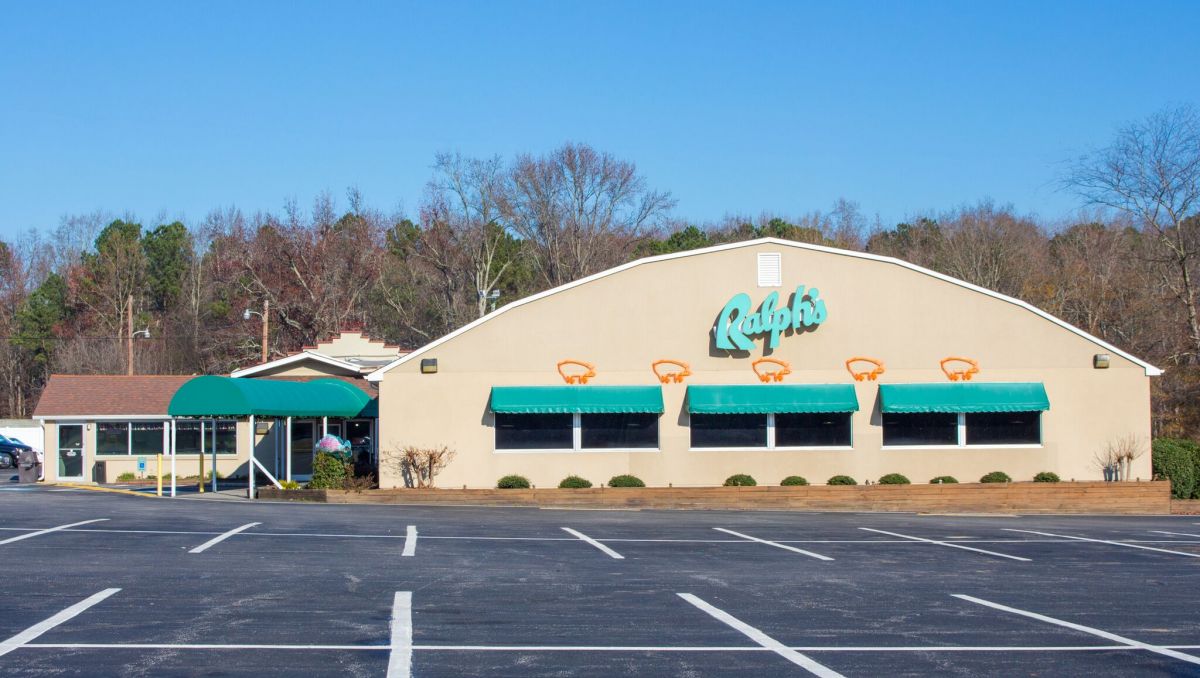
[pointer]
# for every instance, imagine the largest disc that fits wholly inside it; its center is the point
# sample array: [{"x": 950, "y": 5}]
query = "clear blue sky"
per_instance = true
[{"x": 182, "y": 107}]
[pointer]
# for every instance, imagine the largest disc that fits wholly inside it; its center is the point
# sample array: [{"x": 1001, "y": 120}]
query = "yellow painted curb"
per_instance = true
[{"x": 95, "y": 488}]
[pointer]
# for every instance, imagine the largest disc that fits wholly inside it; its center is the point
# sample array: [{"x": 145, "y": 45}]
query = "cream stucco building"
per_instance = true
[{"x": 1030, "y": 393}]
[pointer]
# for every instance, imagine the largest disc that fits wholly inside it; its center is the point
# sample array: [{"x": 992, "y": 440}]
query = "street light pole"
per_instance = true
[
  {"x": 266, "y": 317},
  {"x": 266, "y": 324}
]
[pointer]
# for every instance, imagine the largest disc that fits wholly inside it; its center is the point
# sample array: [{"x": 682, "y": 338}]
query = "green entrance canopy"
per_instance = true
[
  {"x": 214, "y": 396},
  {"x": 771, "y": 398},
  {"x": 572, "y": 399},
  {"x": 963, "y": 397}
]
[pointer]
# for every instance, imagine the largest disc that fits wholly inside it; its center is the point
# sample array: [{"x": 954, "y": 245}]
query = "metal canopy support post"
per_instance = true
[
  {"x": 324, "y": 426},
  {"x": 200, "y": 483},
  {"x": 213, "y": 440},
  {"x": 250, "y": 466},
  {"x": 287, "y": 451},
  {"x": 173, "y": 467}
]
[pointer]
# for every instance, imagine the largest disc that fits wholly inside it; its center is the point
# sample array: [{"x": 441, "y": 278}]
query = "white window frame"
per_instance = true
[
  {"x": 577, "y": 442},
  {"x": 962, "y": 440},
  {"x": 206, "y": 434},
  {"x": 771, "y": 447},
  {"x": 166, "y": 446}
]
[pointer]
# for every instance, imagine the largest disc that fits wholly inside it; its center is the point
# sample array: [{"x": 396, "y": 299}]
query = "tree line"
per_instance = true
[{"x": 492, "y": 230}]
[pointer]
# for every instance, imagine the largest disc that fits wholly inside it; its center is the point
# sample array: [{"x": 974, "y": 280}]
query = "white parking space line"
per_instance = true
[
  {"x": 583, "y": 537},
  {"x": 401, "y": 646},
  {"x": 595, "y": 648},
  {"x": 1107, "y": 541},
  {"x": 1178, "y": 534},
  {"x": 946, "y": 543},
  {"x": 221, "y": 537},
  {"x": 39, "y": 533},
  {"x": 410, "y": 541},
  {"x": 41, "y": 627},
  {"x": 1157, "y": 649},
  {"x": 777, "y": 545},
  {"x": 762, "y": 639}
]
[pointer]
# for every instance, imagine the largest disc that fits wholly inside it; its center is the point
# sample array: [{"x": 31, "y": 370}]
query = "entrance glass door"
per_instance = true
[
  {"x": 358, "y": 432},
  {"x": 303, "y": 443},
  {"x": 70, "y": 451}
]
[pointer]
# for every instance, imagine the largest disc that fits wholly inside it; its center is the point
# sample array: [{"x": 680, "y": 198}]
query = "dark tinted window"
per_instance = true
[
  {"x": 534, "y": 432},
  {"x": 812, "y": 430},
  {"x": 920, "y": 429},
  {"x": 729, "y": 430},
  {"x": 1004, "y": 428},
  {"x": 619, "y": 430},
  {"x": 112, "y": 437},
  {"x": 187, "y": 437},
  {"x": 147, "y": 437}
]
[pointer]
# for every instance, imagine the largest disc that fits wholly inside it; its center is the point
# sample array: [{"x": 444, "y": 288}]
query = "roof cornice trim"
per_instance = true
[{"x": 295, "y": 358}]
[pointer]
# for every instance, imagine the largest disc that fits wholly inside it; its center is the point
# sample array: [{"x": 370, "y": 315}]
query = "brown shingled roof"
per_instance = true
[{"x": 107, "y": 394}]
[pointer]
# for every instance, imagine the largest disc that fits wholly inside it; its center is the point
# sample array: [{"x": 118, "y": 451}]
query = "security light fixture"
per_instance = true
[
  {"x": 429, "y": 366},
  {"x": 1100, "y": 361},
  {"x": 144, "y": 333}
]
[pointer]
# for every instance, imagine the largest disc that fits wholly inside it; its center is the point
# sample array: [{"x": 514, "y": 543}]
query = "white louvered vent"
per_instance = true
[{"x": 770, "y": 269}]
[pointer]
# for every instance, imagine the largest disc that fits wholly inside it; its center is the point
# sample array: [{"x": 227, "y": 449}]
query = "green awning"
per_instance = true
[
  {"x": 771, "y": 398},
  {"x": 963, "y": 397},
  {"x": 572, "y": 399},
  {"x": 213, "y": 396}
]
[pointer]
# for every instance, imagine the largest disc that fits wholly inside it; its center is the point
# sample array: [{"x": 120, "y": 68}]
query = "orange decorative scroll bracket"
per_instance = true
[
  {"x": 671, "y": 376},
  {"x": 867, "y": 374},
  {"x": 960, "y": 374},
  {"x": 776, "y": 375},
  {"x": 576, "y": 378}
]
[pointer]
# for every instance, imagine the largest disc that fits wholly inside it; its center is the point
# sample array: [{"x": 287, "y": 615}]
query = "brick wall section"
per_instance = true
[{"x": 1082, "y": 497}]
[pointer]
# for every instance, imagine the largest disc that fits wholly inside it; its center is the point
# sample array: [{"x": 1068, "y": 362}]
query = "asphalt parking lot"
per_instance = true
[{"x": 109, "y": 584}]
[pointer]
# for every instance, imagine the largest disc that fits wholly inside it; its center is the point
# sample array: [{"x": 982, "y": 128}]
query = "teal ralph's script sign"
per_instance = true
[{"x": 737, "y": 324}]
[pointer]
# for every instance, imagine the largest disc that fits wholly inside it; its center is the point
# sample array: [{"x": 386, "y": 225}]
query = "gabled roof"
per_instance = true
[
  {"x": 296, "y": 358},
  {"x": 78, "y": 395},
  {"x": 377, "y": 375}
]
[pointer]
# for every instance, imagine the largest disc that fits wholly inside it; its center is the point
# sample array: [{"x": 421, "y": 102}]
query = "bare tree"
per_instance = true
[
  {"x": 1152, "y": 171},
  {"x": 581, "y": 210},
  {"x": 466, "y": 194}
]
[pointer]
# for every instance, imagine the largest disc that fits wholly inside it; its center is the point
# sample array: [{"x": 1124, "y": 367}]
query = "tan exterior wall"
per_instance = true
[{"x": 666, "y": 309}]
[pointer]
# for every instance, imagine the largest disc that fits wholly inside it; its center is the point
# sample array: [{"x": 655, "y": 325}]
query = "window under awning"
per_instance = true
[
  {"x": 577, "y": 399},
  {"x": 960, "y": 397},
  {"x": 771, "y": 399}
]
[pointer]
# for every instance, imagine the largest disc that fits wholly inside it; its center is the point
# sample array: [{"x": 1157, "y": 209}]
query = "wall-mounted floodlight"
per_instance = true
[
  {"x": 429, "y": 366},
  {"x": 1100, "y": 361}
]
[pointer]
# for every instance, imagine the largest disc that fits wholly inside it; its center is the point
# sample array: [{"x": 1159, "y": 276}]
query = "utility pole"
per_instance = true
[
  {"x": 129, "y": 335},
  {"x": 266, "y": 327}
]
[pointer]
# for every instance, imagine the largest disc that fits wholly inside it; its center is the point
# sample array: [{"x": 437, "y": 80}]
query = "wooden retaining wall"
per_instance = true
[{"x": 1083, "y": 497}]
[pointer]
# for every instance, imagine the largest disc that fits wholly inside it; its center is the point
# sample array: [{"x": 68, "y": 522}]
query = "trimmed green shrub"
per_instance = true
[
  {"x": 625, "y": 480},
  {"x": 513, "y": 482},
  {"x": 794, "y": 481},
  {"x": 943, "y": 480},
  {"x": 1047, "y": 477},
  {"x": 740, "y": 480},
  {"x": 329, "y": 472},
  {"x": 841, "y": 480},
  {"x": 128, "y": 475},
  {"x": 1175, "y": 460},
  {"x": 894, "y": 479},
  {"x": 996, "y": 477},
  {"x": 574, "y": 483}
]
